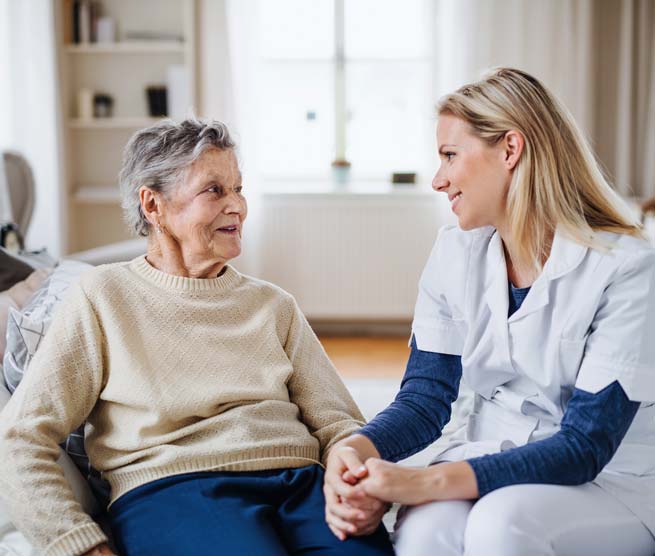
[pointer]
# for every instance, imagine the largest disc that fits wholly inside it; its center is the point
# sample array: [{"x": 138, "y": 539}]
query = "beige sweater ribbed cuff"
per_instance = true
[{"x": 77, "y": 542}]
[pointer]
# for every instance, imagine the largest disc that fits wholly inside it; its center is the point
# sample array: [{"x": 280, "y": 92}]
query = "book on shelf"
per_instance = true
[
  {"x": 87, "y": 25},
  {"x": 85, "y": 15}
]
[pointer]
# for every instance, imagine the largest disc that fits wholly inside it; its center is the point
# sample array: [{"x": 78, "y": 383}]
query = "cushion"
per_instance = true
[
  {"x": 25, "y": 331},
  {"x": 12, "y": 270},
  {"x": 26, "y": 328},
  {"x": 16, "y": 267},
  {"x": 15, "y": 298}
]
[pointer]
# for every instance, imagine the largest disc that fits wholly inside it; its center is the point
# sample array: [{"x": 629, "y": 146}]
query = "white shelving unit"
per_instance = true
[
  {"x": 127, "y": 47},
  {"x": 123, "y": 69},
  {"x": 111, "y": 123}
]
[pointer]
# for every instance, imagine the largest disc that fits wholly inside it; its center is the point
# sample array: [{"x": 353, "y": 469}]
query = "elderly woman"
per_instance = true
[{"x": 210, "y": 404}]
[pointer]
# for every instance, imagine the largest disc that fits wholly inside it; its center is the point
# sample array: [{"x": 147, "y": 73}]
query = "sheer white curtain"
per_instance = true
[
  {"x": 29, "y": 110},
  {"x": 551, "y": 40},
  {"x": 6, "y": 127},
  {"x": 625, "y": 105},
  {"x": 598, "y": 57},
  {"x": 228, "y": 87},
  {"x": 243, "y": 49}
]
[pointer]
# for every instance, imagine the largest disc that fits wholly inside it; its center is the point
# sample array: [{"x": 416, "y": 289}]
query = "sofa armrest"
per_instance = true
[{"x": 112, "y": 253}]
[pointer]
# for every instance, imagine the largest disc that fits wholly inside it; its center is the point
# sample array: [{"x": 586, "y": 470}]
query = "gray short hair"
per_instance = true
[{"x": 157, "y": 156}]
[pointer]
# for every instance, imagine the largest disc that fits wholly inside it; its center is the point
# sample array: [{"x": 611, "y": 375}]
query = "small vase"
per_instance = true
[{"x": 341, "y": 171}]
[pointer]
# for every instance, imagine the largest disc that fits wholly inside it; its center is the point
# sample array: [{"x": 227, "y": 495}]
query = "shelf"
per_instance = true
[
  {"x": 98, "y": 195},
  {"x": 112, "y": 123},
  {"x": 128, "y": 47},
  {"x": 150, "y": 37}
]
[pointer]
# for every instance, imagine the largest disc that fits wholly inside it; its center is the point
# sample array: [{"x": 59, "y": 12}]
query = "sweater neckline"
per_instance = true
[{"x": 226, "y": 281}]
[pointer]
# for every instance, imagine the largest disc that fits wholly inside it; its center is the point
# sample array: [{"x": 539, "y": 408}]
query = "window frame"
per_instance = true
[{"x": 340, "y": 62}]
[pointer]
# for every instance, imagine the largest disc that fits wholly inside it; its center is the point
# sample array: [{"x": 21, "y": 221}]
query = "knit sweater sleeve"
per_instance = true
[
  {"x": 326, "y": 407},
  {"x": 56, "y": 395}
]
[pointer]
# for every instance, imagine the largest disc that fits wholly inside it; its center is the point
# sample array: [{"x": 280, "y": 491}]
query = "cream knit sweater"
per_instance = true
[{"x": 175, "y": 375}]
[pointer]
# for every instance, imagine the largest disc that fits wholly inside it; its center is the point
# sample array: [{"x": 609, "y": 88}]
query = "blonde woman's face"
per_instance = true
[{"x": 473, "y": 175}]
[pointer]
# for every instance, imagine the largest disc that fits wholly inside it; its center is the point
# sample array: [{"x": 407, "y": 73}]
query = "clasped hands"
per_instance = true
[{"x": 358, "y": 493}]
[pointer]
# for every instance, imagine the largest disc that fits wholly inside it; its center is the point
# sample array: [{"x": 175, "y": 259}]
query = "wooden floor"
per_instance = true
[{"x": 367, "y": 357}]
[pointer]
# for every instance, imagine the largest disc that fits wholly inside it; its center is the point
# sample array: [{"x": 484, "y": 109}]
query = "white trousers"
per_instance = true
[{"x": 524, "y": 520}]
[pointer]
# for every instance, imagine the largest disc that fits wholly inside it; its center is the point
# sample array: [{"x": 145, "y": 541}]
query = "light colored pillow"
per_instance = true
[
  {"x": 26, "y": 328},
  {"x": 4, "y": 396},
  {"x": 24, "y": 336},
  {"x": 15, "y": 298}
]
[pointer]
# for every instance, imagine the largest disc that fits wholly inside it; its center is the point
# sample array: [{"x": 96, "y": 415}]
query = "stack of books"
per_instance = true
[
  {"x": 85, "y": 19},
  {"x": 89, "y": 25}
]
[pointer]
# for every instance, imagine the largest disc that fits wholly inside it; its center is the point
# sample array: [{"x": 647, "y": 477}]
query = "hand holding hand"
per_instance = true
[
  {"x": 412, "y": 486},
  {"x": 340, "y": 496},
  {"x": 395, "y": 483}
]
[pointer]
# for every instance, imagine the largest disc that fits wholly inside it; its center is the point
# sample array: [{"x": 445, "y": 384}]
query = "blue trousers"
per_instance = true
[{"x": 261, "y": 513}]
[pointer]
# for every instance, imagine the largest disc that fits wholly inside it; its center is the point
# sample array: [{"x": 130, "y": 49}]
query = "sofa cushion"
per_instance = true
[
  {"x": 15, "y": 267},
  {"x": 12, "y": 270},
  {"x": 15, "y": 298},
  {"x": 26, "y": 328}
]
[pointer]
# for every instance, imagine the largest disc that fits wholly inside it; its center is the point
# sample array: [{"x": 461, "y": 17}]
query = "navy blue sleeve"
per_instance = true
[
  {"x": 422, "y": 407},
  {"x": 592, "y": 429}
]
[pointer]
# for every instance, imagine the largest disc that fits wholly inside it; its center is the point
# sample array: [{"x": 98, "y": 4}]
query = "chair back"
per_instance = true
[{"x": 16, "y": 191}]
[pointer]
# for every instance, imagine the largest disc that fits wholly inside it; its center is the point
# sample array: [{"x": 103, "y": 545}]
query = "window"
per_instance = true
[{"x": 345, "y": 79}]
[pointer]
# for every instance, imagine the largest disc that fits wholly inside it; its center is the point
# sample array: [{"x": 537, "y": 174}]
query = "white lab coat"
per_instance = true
[{"x": 588, "y": 320}]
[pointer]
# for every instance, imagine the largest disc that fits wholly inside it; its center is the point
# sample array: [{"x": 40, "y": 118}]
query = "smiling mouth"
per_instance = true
[
  {"x": 455, "y": 197},
  {"x": 229, "y": 230}
]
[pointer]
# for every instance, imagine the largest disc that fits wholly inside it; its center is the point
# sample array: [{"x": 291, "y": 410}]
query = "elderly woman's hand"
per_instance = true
[
  {"x": 100, "y": 550},
  {"x": 349, "y": 511}
]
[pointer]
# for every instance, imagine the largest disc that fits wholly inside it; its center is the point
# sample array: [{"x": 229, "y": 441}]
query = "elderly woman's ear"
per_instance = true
[
  {"x": 151, "y": 206},
  {"x": 163, "y": 248}
]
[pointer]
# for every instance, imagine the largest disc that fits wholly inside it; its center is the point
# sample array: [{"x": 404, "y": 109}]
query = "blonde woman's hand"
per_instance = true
[
  {"x": 100, "y": 550},
  {"x": 411, "y": 486},
  {"x": 395, "y": 483}
]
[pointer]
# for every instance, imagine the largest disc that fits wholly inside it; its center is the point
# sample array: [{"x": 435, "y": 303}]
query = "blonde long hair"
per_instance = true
[{"x": 557, "y": 181}]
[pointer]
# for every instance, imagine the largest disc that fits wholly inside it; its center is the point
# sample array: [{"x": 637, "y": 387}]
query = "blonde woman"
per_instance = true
[{"x": 543, "y": 302}]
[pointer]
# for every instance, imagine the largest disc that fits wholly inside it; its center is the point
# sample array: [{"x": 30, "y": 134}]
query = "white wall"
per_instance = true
[{"x": 348, "y": 255}]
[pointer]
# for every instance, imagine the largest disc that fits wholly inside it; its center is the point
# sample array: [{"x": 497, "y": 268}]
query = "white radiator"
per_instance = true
[{"x": 350, "y": 256}]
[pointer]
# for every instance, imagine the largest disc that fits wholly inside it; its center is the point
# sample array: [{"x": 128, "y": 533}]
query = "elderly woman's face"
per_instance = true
[{"x": 206, "y": 211}]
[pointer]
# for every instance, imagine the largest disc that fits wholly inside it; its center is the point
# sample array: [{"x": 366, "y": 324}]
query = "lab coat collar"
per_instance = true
[
  {"x": 565, "y": 256},
  {"x": 496, "y": 280}
]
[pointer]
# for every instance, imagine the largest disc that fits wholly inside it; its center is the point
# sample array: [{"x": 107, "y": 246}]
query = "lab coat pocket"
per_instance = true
[{"x": 571, "y": 352}]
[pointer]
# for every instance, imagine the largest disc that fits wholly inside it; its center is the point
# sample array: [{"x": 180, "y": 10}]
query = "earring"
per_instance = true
[{"x": 158, "y": 229}]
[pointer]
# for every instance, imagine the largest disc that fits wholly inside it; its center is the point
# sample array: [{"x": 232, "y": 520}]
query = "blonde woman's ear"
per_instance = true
[{"x": 513, "y": 146}]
